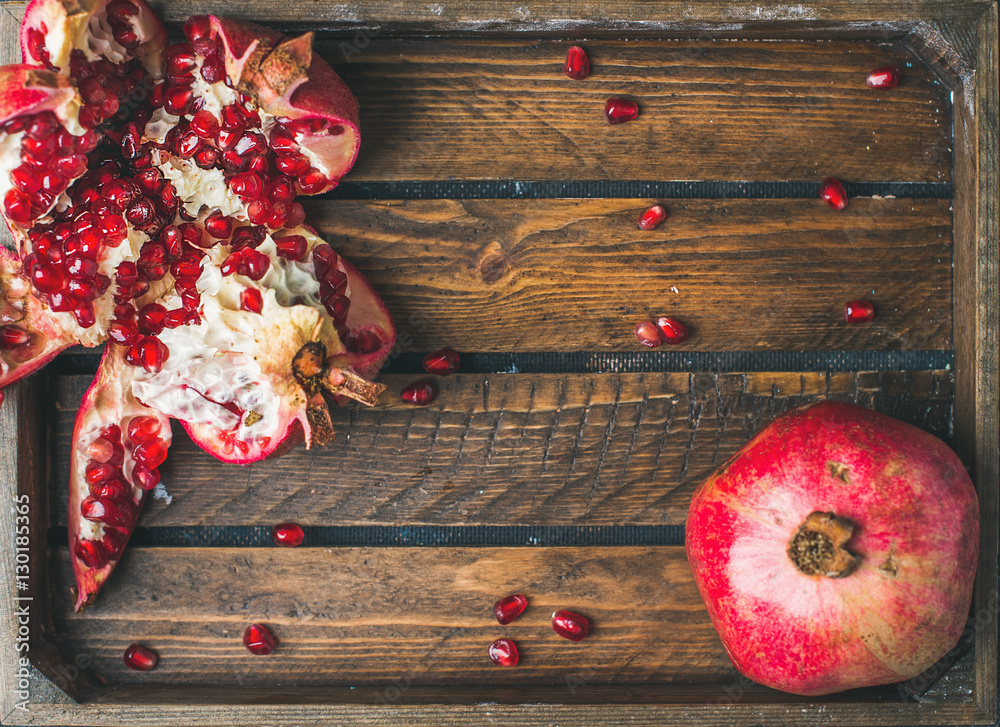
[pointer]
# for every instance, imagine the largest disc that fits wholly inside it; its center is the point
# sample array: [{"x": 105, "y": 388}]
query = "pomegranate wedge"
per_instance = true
[{"x": 151, "y": 190}]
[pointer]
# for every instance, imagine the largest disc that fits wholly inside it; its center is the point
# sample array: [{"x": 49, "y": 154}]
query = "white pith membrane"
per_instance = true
[{"x": 94, "y": 37}]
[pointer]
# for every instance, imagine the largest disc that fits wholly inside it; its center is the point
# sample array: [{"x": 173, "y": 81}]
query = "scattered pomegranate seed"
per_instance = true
[
  {"x": 442, "y": 362},
  {"x": 620, "y": 110},
  {"x": 420, "y": 393},
  {"x": 570, "y": 625},
  {"x": 140, "y": 658},
  {"x": 509, "y": 608},
  {"x": 648, "y": 334},
  {"x": 503, "y": 652},
  {"x": 884, "y": 77},
  {"x": 577, "y": 63},
  {"x": 652, "y": 218},
  {"x": 258, "y": 640},
  {"x": 672, "y": 330},
  {"x": 834, "y": 193},
  {"x": 288, "y": 535},
  {"x": 858, "y": 311}
]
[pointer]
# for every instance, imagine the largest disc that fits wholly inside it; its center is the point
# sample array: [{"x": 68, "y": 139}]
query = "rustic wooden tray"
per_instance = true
[{"x": 494, "y": 210}]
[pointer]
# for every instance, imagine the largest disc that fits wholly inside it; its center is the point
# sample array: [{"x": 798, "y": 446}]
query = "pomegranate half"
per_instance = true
[
  {"x": 151, "y": 191},
  {"x": 836, "y": 550}
]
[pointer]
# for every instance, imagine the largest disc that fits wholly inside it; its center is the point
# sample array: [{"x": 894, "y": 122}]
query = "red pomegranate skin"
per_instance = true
[{"x": 916, "y": 533}]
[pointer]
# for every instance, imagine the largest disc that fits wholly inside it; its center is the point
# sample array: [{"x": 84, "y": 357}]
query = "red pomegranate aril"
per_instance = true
[
  {"x": 124, "y": 332},
  {"x": 833, "y": 192},
  {"x": 442, "y": 362},
  {"x": 47, "y": 278},
  {"x": 296, "y": 215},
  {"x": 313, "y": 181},
  {"x": 121, "y": 10},
  {"x": 188, "y": 144},
  {"x": 858, "y": 311},
  {"x": 324, "y": 260},
  {"x": 256, "y": 264},
  {"x": 648, "y": 334},
  {"x": 98, "y": 509},
  {"x": 140, "y": 212},
  {"x": 292, "y": 163},
  {"x": 282, "y": 140},
  {"x": 84, "y": 314},
  {"x": 213, "y": 69},
  {"x": 146, "y": 477},
  {"x": 12, "y": 337},
  {"x": 420, "y": 393},
  {"x": 671, "y": 330},
  {"x": 570, "y": 625},
  {"x": 247, "y": 185},
  {"x": 288, "y": 535},
  {"x": 197, "y": 26},
  {"x": 150, "y": 181},
  {"x": 113, "y": 433},
  {"x": 26, "y": 179},
  {"x": 258, "y": 640},
  {"x": 232, "y": 120},
  {"x": 259, "y": 211},
  {"x": 509, "y": 608},
  {"x": 251, "y": 300},
  {"x": 18, "y": 206},
  {"x": 282, "y": 189},
  {"x": 363, "y": 342},
  {"x": 137, "y": 656},
  {"x": 98, "y": 472},
  {"x": 883, "y": 77},
  {"x": 204, "y": 124},
  {"x": 150, "y": 318},
  {"x": 101, "y": 450},
  {"x": 577, "y": 63},
  {"x": 180, "y": 59},
  {"x": 620, "y": 110},
  {"x": 503, "y": 652},
  {"x": 72, "y": 165},
  {"x": 92, "y": 91},
  {"x": 148, "y": 352},
  {"x": 175, "y": 318},
  {"x": 151, "y": 452},
  {"x": 177, "y": 100},
  {"x": 291, "y": 247},
  {"x": 92, "y": 553},
  {"x": 81, "y": 266},
  {"x": 652, "y": 218}
]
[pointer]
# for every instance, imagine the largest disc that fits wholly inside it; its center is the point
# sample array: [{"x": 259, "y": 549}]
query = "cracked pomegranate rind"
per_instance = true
[{"x": 151, "y": 192}]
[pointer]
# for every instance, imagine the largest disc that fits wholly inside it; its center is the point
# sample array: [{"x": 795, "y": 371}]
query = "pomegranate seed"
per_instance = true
[
  {"x": 176, "y": 100},
  {"x": 142, "y": 429},
  {"x": 442, "y": 362},
  {"x": 219, "y": 226},
  {"x": 18, "y": 206},
  {"x": 26, "y": 179},
  {"x": 204, "y": 124},
  {"x": 834, "y": 193},
  {"x": 257, "y": 264},
  {"x": 98, "y": 472},
  {"x": 188, "y": 144},
  {"x": 206, "y": 157},
  {"x": 259, "y": 211},
  {"x": 47, "y": 278},
  {"x": 313, "y": 181},
  {"x": 671, "y": 330},
  {"x": 509, "y": 608},
  {"x": 620, "y": 110},
  {"x": 282, "y": 189},
  {"x": 247, "y": 185},
  {"x": 138, "y": 657},
  {"x": 84, "y": 314},
  {"x": 282, "y": 140},
  {"x": 420, "y": 393},
  {"x": 577, "y": 64},
  {"x": 883, "y": 77},
  {"x": 150, "y": 319},
  {"x": 12, "y": 337},
  {"x": 503, "y": 652},
  {"x": 570, "y": 625},
  {"x": 114, "y": 543},
  {"x": 292, "y": 163},
  {"x": 124, "y": 332},
  {"x": 197, "y": 27},
  {"x": 324, "y": 260},
  {"x": 175, "y": 318},
  {"x": 250, "y": 236},
  {"x": 258, "y": 640},
  {"x": 150, "y": 353},
  {"x": 121, "y": 10},
  {"x": 363, "y": 342},
  {"x": 146, "y": 477},
  {"x": 92, "y": 553},
  {"x": 251, "y": 300},
  {"x": 152, "y": 453},
  {"x": 232, "y": 120},
  {"x": 291, "y": 247},
  {"x": 858, "y": 311},
  {"x": 180, "y": 59},
  {"x": 648, "y": 334},
  {"x": 288, "y": 535},
  {"x": 652, "y": 218},
  {"x": 296, "y": 215}
]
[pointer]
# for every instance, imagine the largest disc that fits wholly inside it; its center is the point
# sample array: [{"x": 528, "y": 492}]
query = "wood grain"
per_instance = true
[
  {"x": 594, "y": 449},
  {"x": 577, "y": 275},
  {"x": 738, "y": 110},
  {"x": 373, "y": 616}
]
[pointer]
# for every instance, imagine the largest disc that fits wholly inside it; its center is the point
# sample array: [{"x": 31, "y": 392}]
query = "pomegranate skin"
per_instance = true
[{"x": 916, "y": 531}]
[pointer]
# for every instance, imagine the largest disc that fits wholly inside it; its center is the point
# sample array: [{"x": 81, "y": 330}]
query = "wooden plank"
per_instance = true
[
  {"x": 371, "y": 616},
  {"x": 586, "y": 449},
  {"x": 470, "y": 110},
  {"x": 577, "y": 275}
]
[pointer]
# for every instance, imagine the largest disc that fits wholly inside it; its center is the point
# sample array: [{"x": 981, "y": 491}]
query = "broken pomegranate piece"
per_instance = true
[{"x": 151, "y": 196}]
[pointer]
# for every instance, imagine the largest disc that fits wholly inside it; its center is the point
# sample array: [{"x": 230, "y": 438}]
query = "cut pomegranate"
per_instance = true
[
  {"x": 570, "y": 625},
  {"x": 671, "y": 330},
  {"x": 652, "y": 218},
  {"x": 648, "y": 334},
  {"x": 288, "y": 535},
  {"x": 577, "y": 63},
  {"x": 833, "y": 192},
  {"x": 503, "y": 652},
  {"x": 509, "y": 608},
  {"x": 162, "y": 221},
  {"x": 883, "y": 77},
  {"x": 258, "y": 640},
  {"x": 858, "y": 311},
  {"x": 442, "y": 362},
  {"x": 620, "y": 110},
  {"x": 140, "y": 658},
  {"x": 420, "y": 393}
]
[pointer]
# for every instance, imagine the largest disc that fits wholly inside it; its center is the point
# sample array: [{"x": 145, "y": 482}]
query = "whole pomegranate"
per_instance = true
[
  {"x": 836, "y": 550},
  {"x": 151, "y": 191}
]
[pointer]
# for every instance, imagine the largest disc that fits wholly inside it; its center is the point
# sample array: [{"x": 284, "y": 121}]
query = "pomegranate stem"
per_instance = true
[{"x": 818, "y": 546}]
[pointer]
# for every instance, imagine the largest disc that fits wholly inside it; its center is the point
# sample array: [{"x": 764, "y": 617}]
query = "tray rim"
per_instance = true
[{"x": 959, "y": 40}]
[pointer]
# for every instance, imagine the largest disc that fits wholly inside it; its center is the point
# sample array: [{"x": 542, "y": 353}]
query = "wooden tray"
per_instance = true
[{"x": 495, "y": 210}]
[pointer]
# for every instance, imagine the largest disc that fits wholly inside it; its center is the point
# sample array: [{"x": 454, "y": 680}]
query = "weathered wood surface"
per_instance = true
[
  {"x": 577, "y": 275},
  {"x": 594, "y": 449},
  {"x": 371, "y": 616},
  {"x": 708, "y": 111}
]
